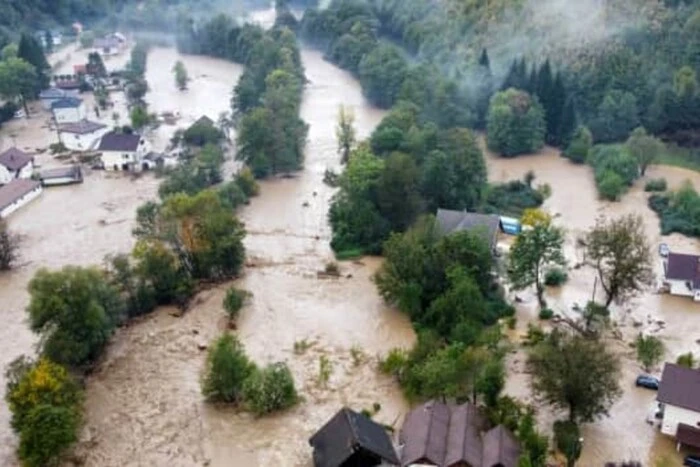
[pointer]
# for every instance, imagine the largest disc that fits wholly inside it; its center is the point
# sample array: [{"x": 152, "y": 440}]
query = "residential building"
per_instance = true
[
  {"x": 350, "y": 439},
  {"x": 61, "y": 175},
  {"x": 51, "y": 95},
  {"x": 679, "y": 397},
  {"x": 81, "y": 136},
  {"x": 122, "y": 151},
  {"x": 69, "y": 109},
  {"x": 15, "y": 164},
  {"x": 446, "y": 435},
  {"x": 16, "y": 194},
  {"x": 682, "y": 275},
  {"x": 111, "y": 44},
  {"x": 449, "y": 221}
]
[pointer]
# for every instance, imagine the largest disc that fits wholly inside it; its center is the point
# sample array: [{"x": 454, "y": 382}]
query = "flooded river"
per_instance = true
[{"x": 144, "y": 405}]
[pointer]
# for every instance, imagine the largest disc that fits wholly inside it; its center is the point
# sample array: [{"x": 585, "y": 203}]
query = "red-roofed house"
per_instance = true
[{"x": 682, "y": 273}]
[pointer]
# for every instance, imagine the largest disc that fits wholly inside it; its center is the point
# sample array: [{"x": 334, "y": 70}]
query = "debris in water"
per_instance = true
[
  {"x": 305, "y": 204},
  {"x": 202, "y": 346}
]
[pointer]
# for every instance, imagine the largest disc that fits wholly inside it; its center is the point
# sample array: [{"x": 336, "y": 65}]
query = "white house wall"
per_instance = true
[
  {"x": 70, "y": 115},
  {"x": 82, "y": 142},
  {"x": 5, "y": 175},
  {"x": 112, "y": 159},
  {"x": 18, "y": 203},
  {"x": 674, "y": 415},
  {"x": 676, "y": 287}
]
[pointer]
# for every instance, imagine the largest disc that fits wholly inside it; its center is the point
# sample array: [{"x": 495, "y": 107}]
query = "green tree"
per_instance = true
[
  {"x": 181, "y": 76},
  {"x": 18, "y": 81},
  {"x": 270, "y": 389},
  {"x": 610, "y": 185},
  {"x": 9, "y": 247},
  {"x": 577, "y": 374},
  {"x": 227, "y": 368},
  {"x": 31, "y": 52},
  {"x": 580, "y": 145},
  {"x": 48, "y": 431},
  {"x": 382, "y": 72},
  {"x": 233, "y": 301},
  {"x": 619, "y": 251},
  {"x": 95, "y": 65},
  {"x": 398, "y": 197},
  {"x": 75, "y": 311},
  {"x": 644, "y": 148},
  {"x": 139, "y": 117},
  {"x": 9, "y": 51},
  {"x": 567, "y": 438},
  {"x": 515, "y": 123},
  {"x": 345, "y": 133},
  {"x": 650, "y": 351},
  {"x": 617, "y": 115},
  {"x": 534, "y": 251},
  {"x": 687, "y": 360}
]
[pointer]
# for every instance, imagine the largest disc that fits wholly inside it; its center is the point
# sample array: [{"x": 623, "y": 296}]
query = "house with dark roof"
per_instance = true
[
  {"x": 350, "y": 439},
  {"x": 51, "y": 95},
  {"x": 682, "y": 275},
  {"x": 15, "y": 164},
  {"x": 68, "y": 110},
  {"x": 447, "y": 435},
  {"x": 679, "y": 397},
  {"x": 82, "y": 135},
  {"x": 16, "y": 194},
  {"x": 449, "y": 221},
  {"x": 123, "y": 151}
]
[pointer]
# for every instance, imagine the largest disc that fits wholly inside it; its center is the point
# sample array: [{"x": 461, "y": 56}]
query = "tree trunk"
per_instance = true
[
  {"x": 609, "y": 299},
  {"x": 24, "y": 104}
]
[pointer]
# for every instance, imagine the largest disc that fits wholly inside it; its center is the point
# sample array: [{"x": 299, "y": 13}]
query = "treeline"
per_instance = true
[
  {"x": 266, "y": 100},
  {"x": 189, "y": 237}
]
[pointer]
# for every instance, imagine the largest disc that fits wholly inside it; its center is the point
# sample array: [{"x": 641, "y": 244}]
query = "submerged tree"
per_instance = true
[
  {"x": 227, "y": 369},
  {"x": 345, "y": 133},
  {"x": 650, "y": 351},
  {"x": 619, "y": 250},
  {"x": 18, "y": 80},
  {"x": 644, "y": 148},
  {"x": 9, "y": 244},
  {"x": 181, "y": 76}
]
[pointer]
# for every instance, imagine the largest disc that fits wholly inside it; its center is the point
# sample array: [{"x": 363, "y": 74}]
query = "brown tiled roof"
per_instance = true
[
  {"x": 680, "y": 386},
  {"x": 448, "y": 435},
  {"x": 14, "y": 159},
  {"x": 684, "y": 267},
  {"x": 82, "y": 127},
  {"x": 688, "y": 435},
  {"x": 16, "y": 189}
]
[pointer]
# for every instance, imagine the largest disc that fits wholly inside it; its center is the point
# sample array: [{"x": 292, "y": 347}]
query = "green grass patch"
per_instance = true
[
  {"x": 350, "y": 253},
  {"x": 676, "y": 156}
]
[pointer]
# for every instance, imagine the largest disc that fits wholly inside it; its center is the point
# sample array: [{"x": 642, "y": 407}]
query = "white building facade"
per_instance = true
[
  {"x": 69, "y": 110},
  {"x": 15, "y": 164},
  {"x": 679, "y": 398},
  {"x": 83, "y": 135},
  {"x": 16, "y": 194},
  {"x": 122, "y": 151}
]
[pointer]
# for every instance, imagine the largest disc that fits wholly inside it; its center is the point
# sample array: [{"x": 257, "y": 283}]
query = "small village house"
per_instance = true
[
  {"x": 16, "y": 194},
  {"x": 682, "y": 275},
  {"x": 111, "y": 44},
  {"x": 449, "y": 221},
  {"x": 51, "y": 95},
  {"x": 679, "y": 397},
  {"x": 350, "y": 439},
  {"x": 15, "y": 164},
  {"x": 122, "y": 151},
  {"x": 81, "y": 136},
  {"x": 69, "y": 109},
  {"x": 61, "y": 175},
  {"x": 446, "y": 435}
]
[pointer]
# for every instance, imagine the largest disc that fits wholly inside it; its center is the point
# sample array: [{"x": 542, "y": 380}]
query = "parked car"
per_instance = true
[
  {"x": 692, "y": 461},
  {"x": 647, "y": 381},
  {"x": 664, "y": 250}
]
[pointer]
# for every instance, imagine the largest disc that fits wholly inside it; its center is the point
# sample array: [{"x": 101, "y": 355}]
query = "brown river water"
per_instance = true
[{"x": 143, "y": 404}]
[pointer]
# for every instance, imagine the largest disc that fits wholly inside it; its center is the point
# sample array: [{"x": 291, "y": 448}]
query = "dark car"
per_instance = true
[
  {"x": 648, "y": 382},
  {"x": 692, "y": 461}
]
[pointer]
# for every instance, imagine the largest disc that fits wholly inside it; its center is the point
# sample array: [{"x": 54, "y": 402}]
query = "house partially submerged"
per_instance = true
[
  {"x": 51, "y": 95},
  {"x": 679, "y": 397},
  {"x": 68, "y": 110},
  {"x": 446, "y": 435},
  {"x": 122, "y": 151},
  {"x": 15, "y": 164},
  {"x": 449, "y": 221},
  {"x": 81, "y": 135},
  {"x": 61, "y": 175},
  {"x": 16, "y": 194},
  {"x": 350, "y": 439},
  {"x": 682, "y": 275}
]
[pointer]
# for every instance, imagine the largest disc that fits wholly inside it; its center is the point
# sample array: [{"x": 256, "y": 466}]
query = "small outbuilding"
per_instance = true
[
  {"x": 15, "y": 164},
  {"x": 350, "y": 439},
  {"x": 682, "y": 275},
  {"x": 61, "y": 175},
  {"x": 449, "y": 221},
  {"x": 68, "y": 110},
  {"x": 82, "y": 135},
  {"x": 16, "y": 194}
]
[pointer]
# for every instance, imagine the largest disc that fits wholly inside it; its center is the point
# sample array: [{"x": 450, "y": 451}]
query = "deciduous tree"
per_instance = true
[
  {"x": 644, "y": 148},
  {"x": 181, "y": 76},
  {"x": 18, "y": 80},
  {"x": 9, "y": 246},
  {"x": 227, "y": 368},
  {"x": 619, "y": 251},
  {"x": 515, "y": 123},
  {"x": 650, "y": 351},
  {"x": 345, "y": 133},
  {"x": 575, "y": 373}
]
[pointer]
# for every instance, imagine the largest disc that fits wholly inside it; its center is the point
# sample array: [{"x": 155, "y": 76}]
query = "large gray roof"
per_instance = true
[
  {"x": 680, "y": 386},
  {"x": 16, "y": 189},
  {"x": 449, "y": 221},
  {"x": 14, "y": 159},
  {"x": 684, "y": 267},
  {"x": 82, "y": 127},
  {"x": 119, "y": 142}
]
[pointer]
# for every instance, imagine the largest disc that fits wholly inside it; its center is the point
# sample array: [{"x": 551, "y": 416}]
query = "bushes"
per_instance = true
[
  {"x": 580, "y": 145},
  {"x": 45, "y": 405},
  {"x": 615, "y": 170},
  {"x": 650, "y": 351},
  {"x": 511, "y": 198},
  {"x": 656, "y": 184},
  {"x": 679, "y": 211},
  {"x": 270, "y": 389},
  {"x": 515, "y": 123},
  {"x": 555, "y": 277},
  {"x": 546, "y": 313},
  {"x": 567, "y": 438},
  {"x": 233, "y": 301}
]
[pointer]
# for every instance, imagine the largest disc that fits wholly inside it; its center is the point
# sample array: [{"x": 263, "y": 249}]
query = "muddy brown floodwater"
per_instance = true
[
  {"x": 574, "y": 202},
  {"x": 144, "y": 405}
]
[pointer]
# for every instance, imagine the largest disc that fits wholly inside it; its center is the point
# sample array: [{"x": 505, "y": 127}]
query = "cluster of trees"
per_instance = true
[
  {"x": 678, "y": 211},
  {"x": 515, "y": 123},
  {"x": 230, "y": 377},
  {"x": 24, "y": 71},
  {"x": 266, "y": 100}
]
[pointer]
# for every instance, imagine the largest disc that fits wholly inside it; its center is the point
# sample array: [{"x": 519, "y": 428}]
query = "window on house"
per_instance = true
[{"x": 125, "y": 156}]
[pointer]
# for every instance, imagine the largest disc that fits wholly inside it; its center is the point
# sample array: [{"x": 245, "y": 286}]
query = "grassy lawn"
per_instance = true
[{"x": 681, "y": 157}]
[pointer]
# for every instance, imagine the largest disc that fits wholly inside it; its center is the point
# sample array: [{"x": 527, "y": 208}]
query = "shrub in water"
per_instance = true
[
  {"x": 546, "y": 313},
  {"x": 656, "y": 184},
  {"x": 555, "y": 277},
  {"x": 270, "y": 389}
]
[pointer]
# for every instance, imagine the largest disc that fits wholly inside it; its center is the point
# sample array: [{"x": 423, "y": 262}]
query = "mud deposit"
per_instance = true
[
  {"x": 574, "y": 202},
  {"x": 144, "y": 405}
]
